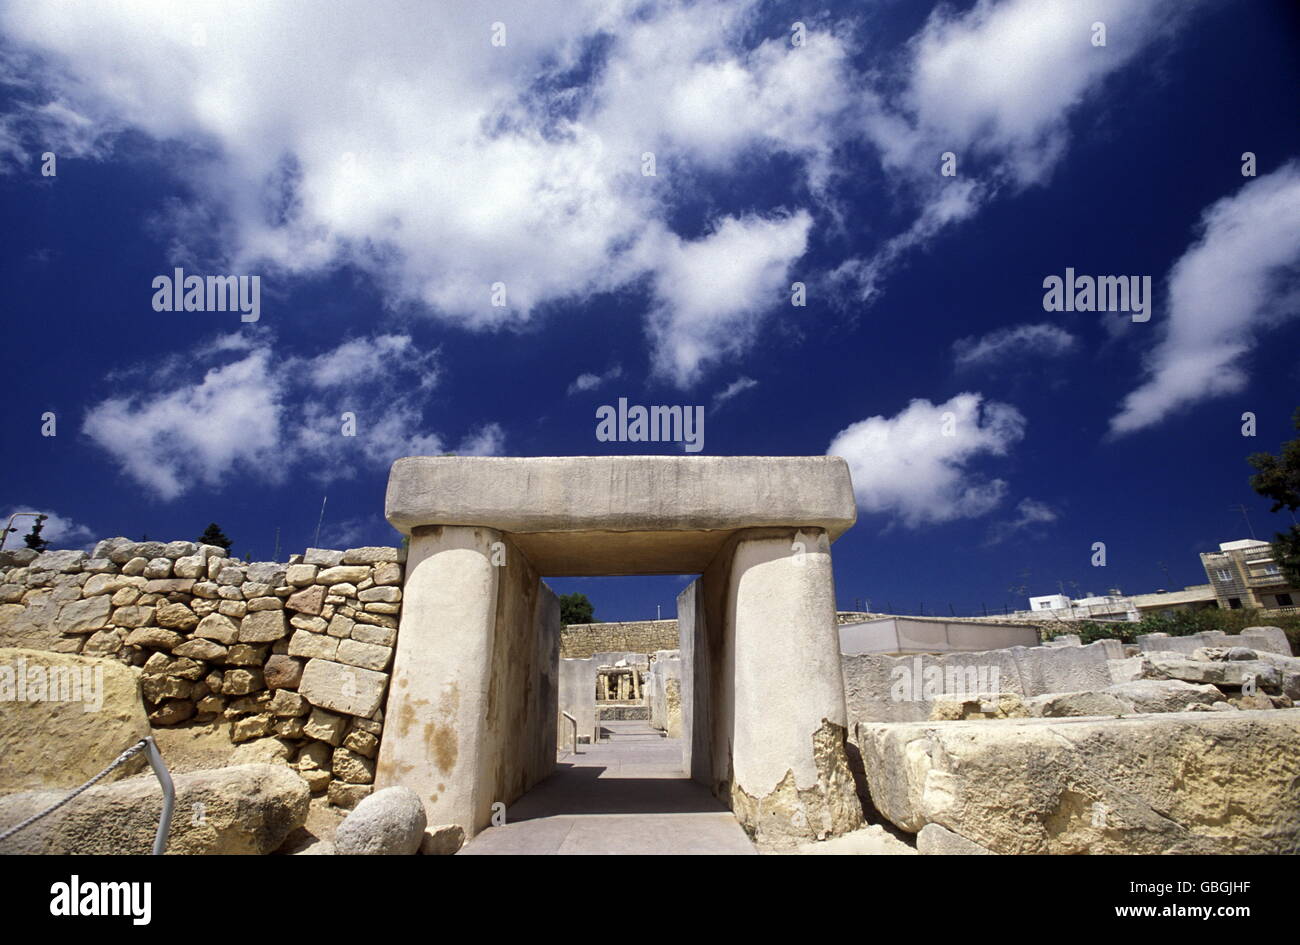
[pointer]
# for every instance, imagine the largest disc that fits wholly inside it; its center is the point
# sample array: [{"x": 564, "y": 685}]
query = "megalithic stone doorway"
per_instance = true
[{"x": 471, "y": 718}]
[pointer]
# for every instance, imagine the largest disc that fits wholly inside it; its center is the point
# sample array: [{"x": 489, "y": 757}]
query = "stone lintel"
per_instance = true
[{"x": 589, "y": 515}]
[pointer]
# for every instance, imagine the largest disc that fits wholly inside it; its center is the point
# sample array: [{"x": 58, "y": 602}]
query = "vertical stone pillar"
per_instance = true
[
  {"x": 434, "y": 739},
  {"x": 790, "y": 773}
]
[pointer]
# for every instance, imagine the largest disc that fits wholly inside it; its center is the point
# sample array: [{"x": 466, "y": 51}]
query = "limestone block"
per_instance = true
[
  {"x": 387, "y": 595},
  {"x": 308, "y": 601},
  {"x": 84, "y": 616},
  {"x": 368, "y": 655},
  {"x": 301, "y": 575},
  {"x": 61, "y": 562},
  {"x": 266, "y": 572},
  {"x": 135, "y": 566},
  {"x": 234, "y": 609},
  {"x": 158, "y": 568},
  {"x": 246, "y": 654},
  {"x": 1272, "y": 639},
  {"x": 310, "y": 645},
  {"x": 342, "y": 627},
  {"x": 344, "y": 574},
  {"x": 369, "y": 555},
  {"x": 282, "y": 672},
  {"x": 382, "y": 636},
  {"x": 250, "y": 727},
  {"x": 172, "y": 712},
  {"x": 156, "y": 638},
  {"x": 287, "y": 703},
  {"x": 326, "y": 727},
  {"x": 61, "y": 742},
  {"x": 349, "y": 766},
  {"x": 262, "y": 626},
  {"x": 247, "y": 809},
  {"x": 351, "y": 690},
  {"x": 169, "y": 586},
  {"x": 190, "y": 566},
  {"x": 1192, "y": 782},
  {"x": 240, "y": 682},
  {"x": 322, "y": 557},
  {"x": 347, "y": 796},
  {"x": 264, "y": 603},
  {"x": 176, "y": 617},
  {"x": 217, "y": 627},
  {"x": 309, "y": 623},
  {"x": 1234, "y": 673}
]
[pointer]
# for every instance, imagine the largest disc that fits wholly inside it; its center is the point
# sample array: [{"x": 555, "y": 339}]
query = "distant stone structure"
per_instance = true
[{"x": 582, "y": 640}]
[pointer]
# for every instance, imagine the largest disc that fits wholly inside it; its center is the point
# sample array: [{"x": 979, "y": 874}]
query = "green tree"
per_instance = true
[
  {"x": 213, "y": 535},
  {"x": 575, "y": 608},
  {"x": 1278, "y": 478},
  {"x": 33, "y": 538}
]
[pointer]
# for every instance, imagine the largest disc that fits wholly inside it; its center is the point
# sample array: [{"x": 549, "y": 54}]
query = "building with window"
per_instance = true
[{"x": 1244, "y": 575}]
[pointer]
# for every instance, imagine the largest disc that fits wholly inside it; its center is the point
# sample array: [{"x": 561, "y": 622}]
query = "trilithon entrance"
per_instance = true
[{"x": 472, "y": 714}]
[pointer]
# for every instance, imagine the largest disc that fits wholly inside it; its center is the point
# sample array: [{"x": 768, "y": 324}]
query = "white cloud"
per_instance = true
[
  {"x": 193, "y": 434},
  {"x": 1017, "y": 342},
  {"x": 713, "y": 291},
  {"x": 996, "y": 85},
  {"x": 488, "y": 440},
  {"x": 1234, "y": 283},
  {"x": 399, "y": 141},
  {"x": 738, "y": 386},
  {"x": 60, "y": 531},
  {"x": 1029, "y": 512},
  {"x": 586, "y": 382},
  {"x": 364, "y": 361},
  {"x": 258, "y": 417},
  {"x": 917, "y": 464}
]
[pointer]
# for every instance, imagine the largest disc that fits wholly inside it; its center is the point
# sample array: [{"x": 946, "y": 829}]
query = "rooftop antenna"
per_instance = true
[
  {"x": 316, "y": 543},
  {"x": 1244, "y": 514}
]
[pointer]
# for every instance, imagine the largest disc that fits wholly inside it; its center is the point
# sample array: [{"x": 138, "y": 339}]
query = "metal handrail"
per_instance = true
[{"x": 145, "y": 744}]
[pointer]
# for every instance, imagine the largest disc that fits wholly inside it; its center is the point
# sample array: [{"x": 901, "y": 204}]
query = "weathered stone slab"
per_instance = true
[
  {"x": 351, "y": 690},
  {"x": 904, "y": 688},
  {"x": 248, "y": 809},
  {"x": 1194, "y": 782},
  {"x": 655, "y": 514},
  {"x": 84, "y": 616},
  {"x": 262, "y": 627},
  {"x": 64, "y": 718}
]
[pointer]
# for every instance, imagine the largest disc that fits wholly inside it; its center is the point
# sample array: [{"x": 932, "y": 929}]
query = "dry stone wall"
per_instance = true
[
  {"x": 299, "y": 651},
  {"x": 581, "y": 641}
]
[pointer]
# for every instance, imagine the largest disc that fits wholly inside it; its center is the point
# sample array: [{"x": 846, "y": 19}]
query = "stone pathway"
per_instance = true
[{"x": 624, "y": 795}]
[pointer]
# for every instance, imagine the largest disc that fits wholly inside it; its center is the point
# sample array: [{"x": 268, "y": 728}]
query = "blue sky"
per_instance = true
[{"x": 382, "y": 167}]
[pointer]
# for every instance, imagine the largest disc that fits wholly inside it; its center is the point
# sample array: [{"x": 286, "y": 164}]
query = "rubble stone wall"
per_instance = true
[
  {"x": 584, "y": 640},
  {"x": 300, "y": 651}
]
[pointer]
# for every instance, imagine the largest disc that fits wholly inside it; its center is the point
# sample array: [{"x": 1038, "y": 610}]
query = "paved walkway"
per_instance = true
[{"x": 624, "y": 795}]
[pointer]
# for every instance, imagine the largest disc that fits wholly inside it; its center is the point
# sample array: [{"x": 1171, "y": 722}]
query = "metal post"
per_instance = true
[
  {"x": 169, "y": 795},
  {"x": 10, "y": 527}
]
